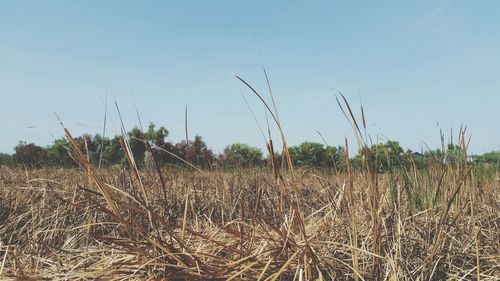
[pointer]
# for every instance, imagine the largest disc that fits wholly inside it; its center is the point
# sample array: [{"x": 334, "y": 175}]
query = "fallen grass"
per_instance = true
[{"x": 58, "y": 224}]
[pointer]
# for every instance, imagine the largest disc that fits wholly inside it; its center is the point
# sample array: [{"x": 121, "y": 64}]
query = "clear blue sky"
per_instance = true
[{"x": 414, "y": 63}]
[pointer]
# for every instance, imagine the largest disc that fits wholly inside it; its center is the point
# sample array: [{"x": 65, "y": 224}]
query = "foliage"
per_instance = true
[
  {"x": 489, "y": 158},
  {"x": 317, "y": 155},
  {"x": 308, "y": 153},
  {"x": 137, "y": 145},
  {"x": 387, "y": 155},
  {"x": 5, "y": 159},
  {"x": 196, "y": 152},
  {"x": 112, "y": 153},
  {"x": 57, "y": 154},
  {"x": 157, "y": 137},
  {"x": 242, "y": 155},
  {"x": 104, "y": 151},
  {"x": 30, "y": 155},
  {"x": 452, "y": 154}
]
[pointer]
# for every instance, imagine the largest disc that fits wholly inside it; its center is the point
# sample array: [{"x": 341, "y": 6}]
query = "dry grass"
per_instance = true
[{"x": 108, "y": 224}]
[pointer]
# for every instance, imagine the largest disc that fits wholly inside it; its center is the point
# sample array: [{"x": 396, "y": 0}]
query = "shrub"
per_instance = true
[
  {"x": 242, "y": 155},
  {"x": 30, "y": 155}
]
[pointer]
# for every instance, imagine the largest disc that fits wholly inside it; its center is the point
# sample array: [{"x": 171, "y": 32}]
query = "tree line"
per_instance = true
[
  {"x": 106, "y": 152},
  {"x": 153, "y": 142}
]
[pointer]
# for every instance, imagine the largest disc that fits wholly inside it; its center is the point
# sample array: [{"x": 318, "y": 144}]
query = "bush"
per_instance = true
[
  {"x": 195, "y": 152},
  {"x": 5, "y": 159},
  {"x": 30, "y": 155},
  {"x": 241, "y": 155}
]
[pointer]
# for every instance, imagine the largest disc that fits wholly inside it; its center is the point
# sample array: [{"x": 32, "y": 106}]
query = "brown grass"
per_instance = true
[{"x": 61, "y": 224}]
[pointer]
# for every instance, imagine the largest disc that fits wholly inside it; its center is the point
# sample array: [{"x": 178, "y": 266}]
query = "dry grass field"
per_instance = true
[{"x": 441, "y": 223}]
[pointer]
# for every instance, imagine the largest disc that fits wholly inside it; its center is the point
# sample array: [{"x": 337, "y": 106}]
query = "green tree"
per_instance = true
[
  {"x": 393, "y": 153},
  {"x": 384, "y": 156},
  {"x": 58, "y": 154},
  {"x": 89, "y": 147},
  {"x": 137, "y": 145},
  {"x": 162, "y": 150},
  {"x": 309, "y": 153},
  {"x": 5, "y": 159},
  {"x": 433, "y": 156},
  {"x": 490, "y": 158},
  {"x": 112, "y": 153},
  {"x": 242, "y": 155},
  {"x": 336, "y": 157},
  {"x": 157, "y": 137},
  {"x": 455, "y": 155},
  {"x": 451, "y": 155},
  {"x": 99, "y": 145}
]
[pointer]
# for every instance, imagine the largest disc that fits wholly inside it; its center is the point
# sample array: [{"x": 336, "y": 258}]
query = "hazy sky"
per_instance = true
[{"x": 413, "y": 63}]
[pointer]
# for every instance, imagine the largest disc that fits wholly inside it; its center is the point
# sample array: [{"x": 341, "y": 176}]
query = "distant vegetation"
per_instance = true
[
  {"x": 106, "y": 152},
  {"x": 5, "y": 159}
]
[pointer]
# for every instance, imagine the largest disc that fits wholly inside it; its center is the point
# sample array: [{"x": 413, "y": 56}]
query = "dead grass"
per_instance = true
[{"x": 58, "y": 224}]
